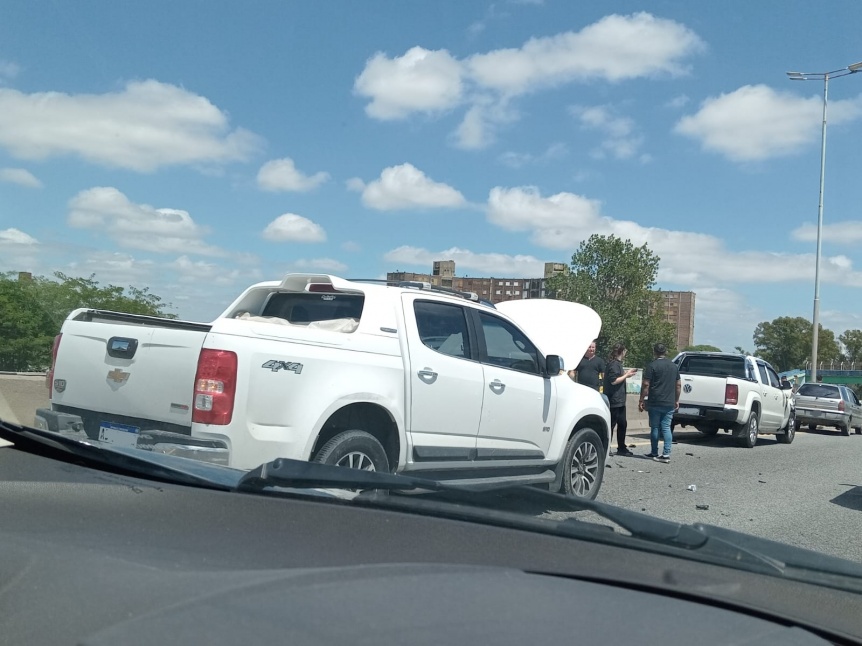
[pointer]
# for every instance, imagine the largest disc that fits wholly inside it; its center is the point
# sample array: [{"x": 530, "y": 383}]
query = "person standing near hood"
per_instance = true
[
  {"x": 591, "y": 369},
  {"x": 615, "y": 389}
]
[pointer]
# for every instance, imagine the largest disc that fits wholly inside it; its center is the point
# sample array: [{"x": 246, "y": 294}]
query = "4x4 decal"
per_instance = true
[{"x": 275, "y": 366}]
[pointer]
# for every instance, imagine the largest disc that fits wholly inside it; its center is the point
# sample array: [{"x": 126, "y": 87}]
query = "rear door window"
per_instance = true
[{"x": 443, "y": 327}]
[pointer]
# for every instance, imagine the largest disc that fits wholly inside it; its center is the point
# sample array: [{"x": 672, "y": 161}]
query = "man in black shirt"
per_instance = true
[
  {"x": 661, "y": 383},
  {"x": 591, "y": 369}
]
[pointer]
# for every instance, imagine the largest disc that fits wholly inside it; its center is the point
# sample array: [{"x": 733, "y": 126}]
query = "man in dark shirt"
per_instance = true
[
  {"x": 591, "y": 369},
  {"x": 662, "y": 385}
]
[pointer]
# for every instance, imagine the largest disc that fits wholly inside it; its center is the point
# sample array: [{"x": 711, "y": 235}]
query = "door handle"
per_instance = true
[
  {"x": 427, "y": 375},
  {"x": 497, "y": 386}
]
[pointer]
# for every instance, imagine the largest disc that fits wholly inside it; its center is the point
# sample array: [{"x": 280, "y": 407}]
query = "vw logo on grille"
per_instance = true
[{"x": 687, "y": 388}]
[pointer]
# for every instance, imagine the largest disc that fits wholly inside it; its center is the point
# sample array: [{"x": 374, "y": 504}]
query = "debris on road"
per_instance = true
[
  {"x": 692, "y": 487},
  {"x": 704, "y": 507}
]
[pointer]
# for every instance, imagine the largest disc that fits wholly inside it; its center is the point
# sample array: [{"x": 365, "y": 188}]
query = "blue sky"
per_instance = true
[{"x": 196, "y": 147}]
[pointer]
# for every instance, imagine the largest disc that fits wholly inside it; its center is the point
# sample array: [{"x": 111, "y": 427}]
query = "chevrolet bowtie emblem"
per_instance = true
[{"x": 118, "y": 376}]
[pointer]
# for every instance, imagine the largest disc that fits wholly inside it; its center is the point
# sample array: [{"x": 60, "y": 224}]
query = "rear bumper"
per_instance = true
[
  {"x": 825, "y": 417},
  {"x": 693, "y": 415},
  {"x": 149, "y": 439}
]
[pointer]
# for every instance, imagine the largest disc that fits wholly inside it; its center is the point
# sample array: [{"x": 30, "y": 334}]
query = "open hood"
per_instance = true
[{"x": 556, "y": 327}]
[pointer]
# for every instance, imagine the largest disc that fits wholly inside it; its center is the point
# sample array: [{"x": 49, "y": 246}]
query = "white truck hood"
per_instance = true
[{"x": 556, "y": 327}]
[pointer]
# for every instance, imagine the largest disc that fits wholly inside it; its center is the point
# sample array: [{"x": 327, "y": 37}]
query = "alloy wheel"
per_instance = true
[{"x": 585, "y": 466}]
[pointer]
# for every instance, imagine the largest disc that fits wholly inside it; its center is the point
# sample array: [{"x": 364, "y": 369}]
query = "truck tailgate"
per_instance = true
[
  {"x": 701, "y": 390},
  {"x": 127, "y": 368}
]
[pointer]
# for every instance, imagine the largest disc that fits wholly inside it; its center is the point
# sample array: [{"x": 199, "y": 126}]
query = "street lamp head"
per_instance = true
[
  {"x": 796, "y": 76},
  {"x": 856, "y": 67}
]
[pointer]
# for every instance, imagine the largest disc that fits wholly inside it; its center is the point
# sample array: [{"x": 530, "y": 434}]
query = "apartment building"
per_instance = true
[{"x": 678, "y": 306}]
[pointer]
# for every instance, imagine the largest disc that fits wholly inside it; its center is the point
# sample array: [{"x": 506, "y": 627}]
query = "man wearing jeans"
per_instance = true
[{"x": 661, "y": 384}]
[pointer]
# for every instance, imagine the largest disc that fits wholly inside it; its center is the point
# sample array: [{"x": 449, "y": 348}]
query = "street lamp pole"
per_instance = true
[{"x": 818, "y": 76}]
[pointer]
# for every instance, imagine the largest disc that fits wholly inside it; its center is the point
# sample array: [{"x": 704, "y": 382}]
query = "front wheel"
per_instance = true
[
  {"x": 356, "y": 450},
  {"x": 747, "y": 434},
  {"x": 789, "y": 430},
  {"x": 583, "y": 465}
]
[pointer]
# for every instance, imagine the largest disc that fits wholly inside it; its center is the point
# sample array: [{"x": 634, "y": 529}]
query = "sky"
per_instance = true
[{"x": 198, "y": 147}]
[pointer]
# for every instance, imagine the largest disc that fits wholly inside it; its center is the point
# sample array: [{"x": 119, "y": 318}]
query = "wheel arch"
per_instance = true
[{"x": 371, "y": 417}]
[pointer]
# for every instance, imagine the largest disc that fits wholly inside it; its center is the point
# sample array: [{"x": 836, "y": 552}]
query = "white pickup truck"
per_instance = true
[
  {"x": 405, "y": 378},
  {"x": 738, "y": 393}
]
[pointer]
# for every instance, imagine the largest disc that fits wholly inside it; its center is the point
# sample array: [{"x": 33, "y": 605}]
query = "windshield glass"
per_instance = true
[{"x": 238, "y": 232}]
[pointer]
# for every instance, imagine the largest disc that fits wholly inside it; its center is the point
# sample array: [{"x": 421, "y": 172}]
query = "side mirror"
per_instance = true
[{"x": 554, "y": 364}]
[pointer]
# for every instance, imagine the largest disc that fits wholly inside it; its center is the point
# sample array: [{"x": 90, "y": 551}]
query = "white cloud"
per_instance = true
[
  {"x": 615, "y": 48},
  {"x": 419, "y": 81},
  {"x": 621, "y": 141},
  {"x": 293, "y": 228},
  {"x": 282, "y": 175},
  {"x": 756, "y": 122},
  {"x": 678, "y": 102},
  {"x": 351, "y": 246},
  {"x": 837, "y": 233},
  {"x": 520, "y": 160},
  {"x": 143, "y": 127},
  {"x": 407, "y": 187},
  {"x": 490, "y": 264},
  {"x": 114, "y": 268},
  {"x": 8, "y": 70},
  {"x": 19, "y": 176},
  {"x": 355, "y": 184},
  {"x": 16, "y": 237},
  {"x": 138, "y": 226},
  {"x": 564, "y": 220}
]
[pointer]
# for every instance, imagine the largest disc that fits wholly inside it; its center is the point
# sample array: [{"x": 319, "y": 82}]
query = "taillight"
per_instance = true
[
  {"x": 215, "y": 387},
  {"x": 731, "y": 394},
  {"x": 841, "y": 406},
  {"x": 49, "y": 376}
]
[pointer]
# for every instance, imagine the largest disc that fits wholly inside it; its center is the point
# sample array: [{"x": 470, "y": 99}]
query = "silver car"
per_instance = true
[{"x": 832, "y": 405}]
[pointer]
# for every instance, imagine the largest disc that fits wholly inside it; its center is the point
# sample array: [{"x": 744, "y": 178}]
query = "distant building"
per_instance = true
[
  {"x": 679, "y": 310},
  {"x": 678, "y": 306}
]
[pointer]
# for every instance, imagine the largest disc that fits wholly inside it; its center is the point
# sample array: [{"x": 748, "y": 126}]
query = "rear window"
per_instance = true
[
  {"x": 713, "y": 366},
  {"x": 309, "y": 308},
  {"x": 819, "y": 390}
]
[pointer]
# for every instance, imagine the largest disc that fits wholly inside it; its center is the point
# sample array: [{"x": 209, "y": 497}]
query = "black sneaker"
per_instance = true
[
  {"x": 664, "y": 459},
  {"x": 652, "y": 455},
  {"x": 624, "y": 452}
]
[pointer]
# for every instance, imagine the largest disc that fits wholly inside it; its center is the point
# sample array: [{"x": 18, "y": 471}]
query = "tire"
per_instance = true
[
  {"x": 583, "y": 465},
  {"x": 709, "y": 431},
  {"x": 845, "y": 430},
  {"x": 356, "y": 450},
  {"x": 812, "y": 427},
  {"x": 859, "y": 430},
  {"x": 789, "y": 430},
  {"x": 747, "y": 433}
]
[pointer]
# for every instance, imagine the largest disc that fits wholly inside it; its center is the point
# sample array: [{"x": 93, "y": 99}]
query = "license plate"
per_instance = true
[
  {"x": 687, "y": 410},
  {"x": 118, "y": 434}
]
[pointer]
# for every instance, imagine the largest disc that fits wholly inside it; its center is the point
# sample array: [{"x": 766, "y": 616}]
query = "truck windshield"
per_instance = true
[
  {"x": 713, "y": 366},
  {"x": 308, "y": 308}
]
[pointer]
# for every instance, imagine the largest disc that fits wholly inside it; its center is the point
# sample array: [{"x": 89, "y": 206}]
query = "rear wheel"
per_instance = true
[
  {"x": 812, "y": 427},
  {"x": 747, "y": 433},
  {"x": 789, "y": 430},
  {"x": 583, "y": 464},
  {"x": 355, "y": 450},
  {"x": 845, "y": 430}
]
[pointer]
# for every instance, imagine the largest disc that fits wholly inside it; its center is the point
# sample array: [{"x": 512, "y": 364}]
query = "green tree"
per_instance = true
[
  {"x": 32, "y": 312},
  {"x": 702, "y": 348},
  {"x": 852, "y": 340},
  {"x": 616, "y": 279},
  {"x": 786, "y": 343}
]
